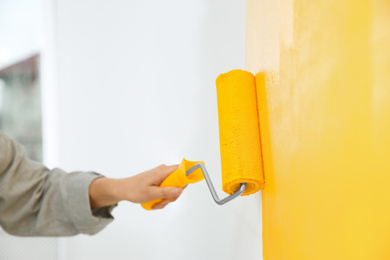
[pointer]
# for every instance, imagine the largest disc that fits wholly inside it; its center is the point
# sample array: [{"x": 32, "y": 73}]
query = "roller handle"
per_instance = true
[{"x": 178, "y": 179}]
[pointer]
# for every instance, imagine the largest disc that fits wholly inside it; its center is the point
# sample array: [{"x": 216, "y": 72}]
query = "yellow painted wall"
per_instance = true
[{"x": 324, "y": 92}]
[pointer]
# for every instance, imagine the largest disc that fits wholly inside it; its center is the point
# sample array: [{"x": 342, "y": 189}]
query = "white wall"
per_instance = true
[
  {"x": 136, "y": 88},
  {"x": 20, "y": 30}
]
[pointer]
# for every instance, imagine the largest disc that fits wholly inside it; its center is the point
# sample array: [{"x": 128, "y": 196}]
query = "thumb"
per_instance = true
[
  {"x": 162, "y": 172},
  {"x": 165, "y": 192}
]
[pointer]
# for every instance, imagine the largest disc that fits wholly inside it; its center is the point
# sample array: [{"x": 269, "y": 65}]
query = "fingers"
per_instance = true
[
  {"x": 163, "y": 203},
  {"x": 165, "y": 193},
  {"x": 170, "y": 194}
]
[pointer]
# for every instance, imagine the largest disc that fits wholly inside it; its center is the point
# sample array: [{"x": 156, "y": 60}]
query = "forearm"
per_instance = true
[{"x": 104, "y": 192}]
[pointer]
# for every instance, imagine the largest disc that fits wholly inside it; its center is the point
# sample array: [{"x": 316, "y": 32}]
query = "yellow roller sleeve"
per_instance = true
[
  {"x": 239, "y": 132},
  {"x": 178, "y": 179}
]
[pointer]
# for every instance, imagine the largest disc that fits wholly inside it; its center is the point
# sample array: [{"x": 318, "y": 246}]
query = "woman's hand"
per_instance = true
[{"x": 140, "y": 188}]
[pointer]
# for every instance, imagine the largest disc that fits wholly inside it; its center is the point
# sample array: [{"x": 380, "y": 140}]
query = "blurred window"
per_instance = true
[{"x": 20, "y": 117}]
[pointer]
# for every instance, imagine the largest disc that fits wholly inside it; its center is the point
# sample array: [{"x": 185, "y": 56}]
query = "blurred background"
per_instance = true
[{"x": 119, "y": 87}]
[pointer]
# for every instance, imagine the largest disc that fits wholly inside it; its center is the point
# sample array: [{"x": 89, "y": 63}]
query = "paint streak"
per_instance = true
[{"x": 325, "y": 122}]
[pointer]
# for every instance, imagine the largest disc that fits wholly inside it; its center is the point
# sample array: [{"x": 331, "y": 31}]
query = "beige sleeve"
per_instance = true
[{"x": 36, "y": 201}]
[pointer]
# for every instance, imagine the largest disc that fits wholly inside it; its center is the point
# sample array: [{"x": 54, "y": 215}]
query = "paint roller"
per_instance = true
[{"x": 239, "y": 133}]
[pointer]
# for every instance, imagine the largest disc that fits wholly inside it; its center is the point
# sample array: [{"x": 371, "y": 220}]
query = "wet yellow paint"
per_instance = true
[{"x": 323, "y": 85}]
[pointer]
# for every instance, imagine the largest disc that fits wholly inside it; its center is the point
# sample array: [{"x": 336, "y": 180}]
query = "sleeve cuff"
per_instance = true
[
  {"x": 104, "y": 212},
  {"x": 84, "y": 219}
]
